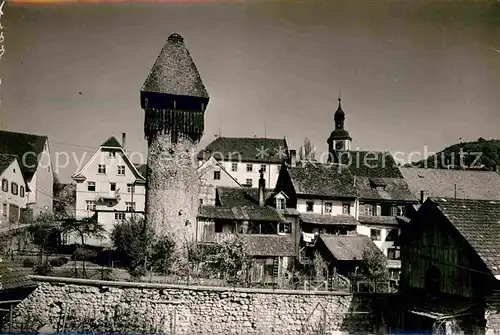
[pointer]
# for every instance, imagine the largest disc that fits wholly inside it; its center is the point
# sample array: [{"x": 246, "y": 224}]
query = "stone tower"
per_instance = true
[
  {"x": 339, "y": 140},
  {"x": 174, "y": 100}
]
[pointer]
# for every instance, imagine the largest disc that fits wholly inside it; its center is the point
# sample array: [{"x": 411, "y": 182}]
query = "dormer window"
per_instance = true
[{"x": 378, "y": 183}]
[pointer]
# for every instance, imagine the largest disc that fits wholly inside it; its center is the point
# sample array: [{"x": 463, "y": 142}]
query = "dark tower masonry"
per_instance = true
[{"x": 174, "y": 100}]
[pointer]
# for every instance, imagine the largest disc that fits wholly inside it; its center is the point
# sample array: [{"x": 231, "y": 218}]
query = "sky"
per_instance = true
[{"x": 414, "y": 76}]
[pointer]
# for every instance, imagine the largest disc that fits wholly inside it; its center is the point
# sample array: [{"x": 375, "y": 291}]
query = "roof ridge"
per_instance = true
[{"x": 20, "y": 133}]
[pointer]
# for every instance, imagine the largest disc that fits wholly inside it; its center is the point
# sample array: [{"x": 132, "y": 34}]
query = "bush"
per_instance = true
[
  {"x": 44, "y": 269},
  {"x": 56, "y": 262},
  {"x": 28, "y": 263},
  {"x": 64, "y": 260}
]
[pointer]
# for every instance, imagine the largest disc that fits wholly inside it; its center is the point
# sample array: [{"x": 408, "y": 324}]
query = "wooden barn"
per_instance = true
[{"x": 450, "y": 267}]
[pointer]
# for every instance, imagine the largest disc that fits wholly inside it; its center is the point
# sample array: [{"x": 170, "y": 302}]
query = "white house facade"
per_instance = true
[
  {"x": 244, "y": 158},
  {"x": 33, "y": 153},
  {"x": 109, "y": 186},
  {"x": 13, "y": 191}
]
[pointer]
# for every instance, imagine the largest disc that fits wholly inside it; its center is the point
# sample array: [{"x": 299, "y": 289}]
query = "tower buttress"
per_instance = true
[{"x": 174, "y": 100}]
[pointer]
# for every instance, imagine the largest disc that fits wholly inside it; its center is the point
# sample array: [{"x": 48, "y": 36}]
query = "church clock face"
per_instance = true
[{"x": 339, "y": 145}]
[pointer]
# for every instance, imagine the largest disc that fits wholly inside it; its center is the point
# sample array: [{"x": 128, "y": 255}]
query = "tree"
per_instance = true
[
  {"x": 133, "y": 241},
  {"x": 320, "y": 266},
  {"x": 306, "y": 151},
  {"x": 45, "y": 232},
  {"x": 373, "y": 269},
  {"x": 64, "y": 196},
  {"x": 84, "y": 228},
  {"x": 162, "y": 254},
  {"x": 228, "y": 258}
]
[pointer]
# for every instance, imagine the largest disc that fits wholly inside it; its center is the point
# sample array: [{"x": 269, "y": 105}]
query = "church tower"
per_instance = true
[
  {"x": 339, "y": 140},
  {"x": 174, "y": 100}
]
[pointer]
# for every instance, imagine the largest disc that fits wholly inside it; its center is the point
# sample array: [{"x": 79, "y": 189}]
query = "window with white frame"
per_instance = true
[
  {"x": 121, "y": 170},
  {"x": 249, "y": 167},
  {"x": 91, "y": 186},
  {"x": 375, "y": 234},
  {"x": 280, "y": 203},
  {"x": 367, "y": 210},
  {"x": 130, "y": 188},
  {"x": 234, "y": 167},
  {"x": 130, "y": 206},
  {"x": 346, "y": 209},
  {"x": 14, "y": 188},
  {"x": 284, "y": 227},
  {"x": 101, "y": 169},
  {"x": 120, "y": 216},
  {"x": 309, "y": 206},
  {"x": 5, "y": 185},
  {"x": 328, "y": 207},
  {"x": 90, "y": 205},
  {"x": 249, "y": 182},
  {"x": 398, "y": 210}
]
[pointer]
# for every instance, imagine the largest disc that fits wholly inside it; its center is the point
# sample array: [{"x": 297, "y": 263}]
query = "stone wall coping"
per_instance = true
[{"x": 104, "y": 283}]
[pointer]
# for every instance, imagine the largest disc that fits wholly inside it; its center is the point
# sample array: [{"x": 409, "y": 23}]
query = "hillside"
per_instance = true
[{"x": 481, "y": 154}]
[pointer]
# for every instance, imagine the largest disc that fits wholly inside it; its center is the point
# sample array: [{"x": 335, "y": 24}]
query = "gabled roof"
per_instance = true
[
  {"x": 268, "y": 245},
  {"x": 245, "y": 149},
  {"x": 142, "y": 169},
  {"x": 211, "y": 162},
  {"x": 235, "y": 196},
  {"x": 372, "y": 164},
  {"x": 80, "y": 176},
  {"x": 318, "y": 179},
  {"x": 11, "y": 279},
  {"x": 470, "y": 184},
  {"x": 322, "y": 219},
  {"x": 174, "y": 72},
  {"x": 5, "y": 161},
  {"x": 381, "y": 220},
  {"x": 392, "y": 189},
  {"x": 24, "y": 145},
  {"x": 238, "y": 213},
  {"x": 111, "y": 142},
  {"x": 478, "y": 222},
  {"x": 348, "y": 247}
]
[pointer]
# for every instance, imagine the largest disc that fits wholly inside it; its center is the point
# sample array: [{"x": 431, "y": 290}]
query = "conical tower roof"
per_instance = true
[{"x": 174, "y": 72}]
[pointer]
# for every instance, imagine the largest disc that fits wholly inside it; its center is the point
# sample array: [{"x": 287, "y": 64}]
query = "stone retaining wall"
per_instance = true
[{"x": 87, "y": 305}]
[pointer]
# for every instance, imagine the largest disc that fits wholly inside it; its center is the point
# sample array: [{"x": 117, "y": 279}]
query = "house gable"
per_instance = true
[
  {"x": 79, "y": 176},
  {"x": 207, "y": 171}
]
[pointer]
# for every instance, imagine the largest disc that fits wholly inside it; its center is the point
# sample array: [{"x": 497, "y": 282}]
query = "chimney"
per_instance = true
[
  {"x": 124, "y": 140},
  {"x": 262, "y": 188},
  {"x": 422, "y": 196},
  {"x": 293, "y": 157}
]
